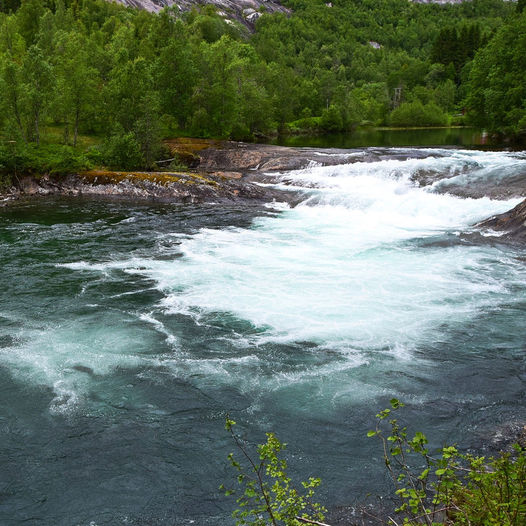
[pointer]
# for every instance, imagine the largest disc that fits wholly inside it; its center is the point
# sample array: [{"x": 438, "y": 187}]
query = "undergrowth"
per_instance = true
[
  {"x": 448, "y": 488},
  {"x": 25, "y": 159}
]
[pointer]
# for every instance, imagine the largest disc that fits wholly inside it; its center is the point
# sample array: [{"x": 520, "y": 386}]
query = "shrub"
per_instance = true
[
  {"x": 331, "y": 119},
  {"x": 267, "y": 496},
  {"x": 418, "y": 114},
  {"x": 21, "y": 158},
  {"x": 122, "y": 151},
  {"x": 449, "y": 489},
  {"x": 452, "y": 488},
  {"x": 305, "y": 125}
]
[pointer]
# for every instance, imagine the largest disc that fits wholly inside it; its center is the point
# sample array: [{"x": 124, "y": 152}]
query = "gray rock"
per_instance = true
[
  {"x": 244, "y": 11},
  {"x": 512, "y": 222}
]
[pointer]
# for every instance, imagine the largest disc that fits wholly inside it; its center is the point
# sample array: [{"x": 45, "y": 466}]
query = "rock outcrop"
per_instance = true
[
  {"x": 231, "y": 156},
  {"x": 217, "y": 171},
  {"x": 184, "y": 187},
  {"x": 512, "y": 222},
  {"x": 244, "y": 11}
]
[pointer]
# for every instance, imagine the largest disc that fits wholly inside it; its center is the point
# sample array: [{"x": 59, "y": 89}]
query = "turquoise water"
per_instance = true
[{"x": 128, "y": 332}]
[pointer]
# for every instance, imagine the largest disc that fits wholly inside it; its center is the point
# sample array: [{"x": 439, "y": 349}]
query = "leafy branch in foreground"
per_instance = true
[
  {"x": 267, "y": 496},
  {"x": 452, "y": 488}
]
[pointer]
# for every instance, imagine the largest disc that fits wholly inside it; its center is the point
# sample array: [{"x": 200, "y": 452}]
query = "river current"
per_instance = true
[{"x": 129, "y": 331}]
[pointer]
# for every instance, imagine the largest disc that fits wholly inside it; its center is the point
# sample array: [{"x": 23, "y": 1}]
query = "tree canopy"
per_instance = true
[{"x": 96, "y": 67}]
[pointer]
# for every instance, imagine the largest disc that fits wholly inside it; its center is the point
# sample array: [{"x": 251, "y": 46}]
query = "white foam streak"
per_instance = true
[{"x": 68, "y": 357}]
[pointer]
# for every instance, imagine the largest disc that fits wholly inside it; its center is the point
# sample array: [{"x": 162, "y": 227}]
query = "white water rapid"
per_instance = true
[{"x": 128, "y": 331}]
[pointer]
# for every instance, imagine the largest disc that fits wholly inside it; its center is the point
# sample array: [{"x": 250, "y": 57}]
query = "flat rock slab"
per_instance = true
[{"x": 183, "y": 187}]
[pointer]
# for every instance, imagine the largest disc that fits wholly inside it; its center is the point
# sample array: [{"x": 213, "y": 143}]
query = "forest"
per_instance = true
[{"x": 90, "y": 82}]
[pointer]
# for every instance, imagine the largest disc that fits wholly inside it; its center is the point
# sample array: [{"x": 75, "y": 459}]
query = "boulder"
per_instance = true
[{"x": 512, "y": 222}]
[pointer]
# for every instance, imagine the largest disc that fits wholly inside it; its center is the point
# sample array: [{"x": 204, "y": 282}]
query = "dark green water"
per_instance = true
[
  {"x": 128, "y": 332},
  {"x": 365, "y": 137}
]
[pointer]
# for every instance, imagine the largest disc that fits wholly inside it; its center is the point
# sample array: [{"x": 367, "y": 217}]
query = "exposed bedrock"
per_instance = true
[
  {"x": 512, "y": 222},
  {"x": 149, "y": 186},
  {"x": 244, "y": 11}
]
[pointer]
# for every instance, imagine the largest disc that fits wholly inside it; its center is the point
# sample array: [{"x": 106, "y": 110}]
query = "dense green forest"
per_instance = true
[{"x": 112, "y": 81}]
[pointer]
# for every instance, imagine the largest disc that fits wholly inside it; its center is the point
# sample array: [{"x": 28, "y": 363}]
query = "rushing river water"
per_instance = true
[{"x": 129, "y": 331}]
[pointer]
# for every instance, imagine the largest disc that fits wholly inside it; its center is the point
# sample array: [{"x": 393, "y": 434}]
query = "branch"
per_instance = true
[
  {"x": 309, "y": 521},
  {"x": 257, "y": 471}
]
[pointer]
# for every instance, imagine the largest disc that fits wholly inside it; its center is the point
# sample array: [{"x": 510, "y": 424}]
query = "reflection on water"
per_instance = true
[{"x": 364, "y": 137}]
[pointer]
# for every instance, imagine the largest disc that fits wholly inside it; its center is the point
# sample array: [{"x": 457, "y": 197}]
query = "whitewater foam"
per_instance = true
[
  {"x": 345, "y": 273},
  {"x": 337, "y": 269}
]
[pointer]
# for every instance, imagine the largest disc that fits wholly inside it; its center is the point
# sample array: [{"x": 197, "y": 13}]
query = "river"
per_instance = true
[{"x": 129, "y": 331}]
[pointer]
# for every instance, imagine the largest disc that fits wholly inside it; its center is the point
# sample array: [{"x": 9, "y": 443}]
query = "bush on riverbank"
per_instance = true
[
  {"x": 448, "y": 489},
  {"x": 418, "y": 114},
  {"x": 21, "y": 159}
]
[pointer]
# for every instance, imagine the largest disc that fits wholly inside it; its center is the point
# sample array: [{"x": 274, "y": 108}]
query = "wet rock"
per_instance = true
[
  {"x": 227, "y": 175},
  {"x": 83, "y": 369},
  {"x": 184, "y": 187},
  {"x": 506, "y": 436},
  {"x": 512, "y": 222},
  {"x": 239, "y": 156},
  {"x": 29, "y": 186}
]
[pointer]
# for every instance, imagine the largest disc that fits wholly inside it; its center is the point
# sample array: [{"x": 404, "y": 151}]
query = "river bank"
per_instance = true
[
  {"x": 229, "y": 171},
  {"x": 220, "y": 170}
]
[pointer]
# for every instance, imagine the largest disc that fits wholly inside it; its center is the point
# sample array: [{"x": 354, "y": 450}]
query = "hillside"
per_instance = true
[
  {"x": 245, "y": 11},
  {"x": 126, "y": 78}
]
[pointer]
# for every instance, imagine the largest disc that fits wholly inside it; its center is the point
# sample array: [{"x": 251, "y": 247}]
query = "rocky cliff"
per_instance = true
[{"x": 244, "y": 11}]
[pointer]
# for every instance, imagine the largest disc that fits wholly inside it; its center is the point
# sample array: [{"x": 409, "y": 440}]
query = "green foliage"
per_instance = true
[
  {"x": 445, "y": 94},
  {"x": 17, "y": 158},
  {"x": 449, "y": 488},
  {"x": 331, "y": 119},
  {"x": 267, "y": 495},
  {"x": 452, "y": 488},
  {"x": 497, "y": 81},
  {"x": 456, "y": 46},
  {"x": 76, "y": 89},
  {"x": 418, "y": 114},
  {"x": 305, "y": 125},
  {"x": 94, "y": 66},
  {"x": 123, "y": 151}
]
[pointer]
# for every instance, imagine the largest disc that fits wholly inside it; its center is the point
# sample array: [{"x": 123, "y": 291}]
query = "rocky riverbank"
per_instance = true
[
  {"x": 228, "y": 171},
  {"x": 218, "y": 171},
  {"x": 181, "y": 187}
]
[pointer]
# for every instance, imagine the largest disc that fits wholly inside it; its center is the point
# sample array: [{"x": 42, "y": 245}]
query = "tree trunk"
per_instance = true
[
  {"x": 77, "y": 119},
  {"x": 37, "y": 131}
]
